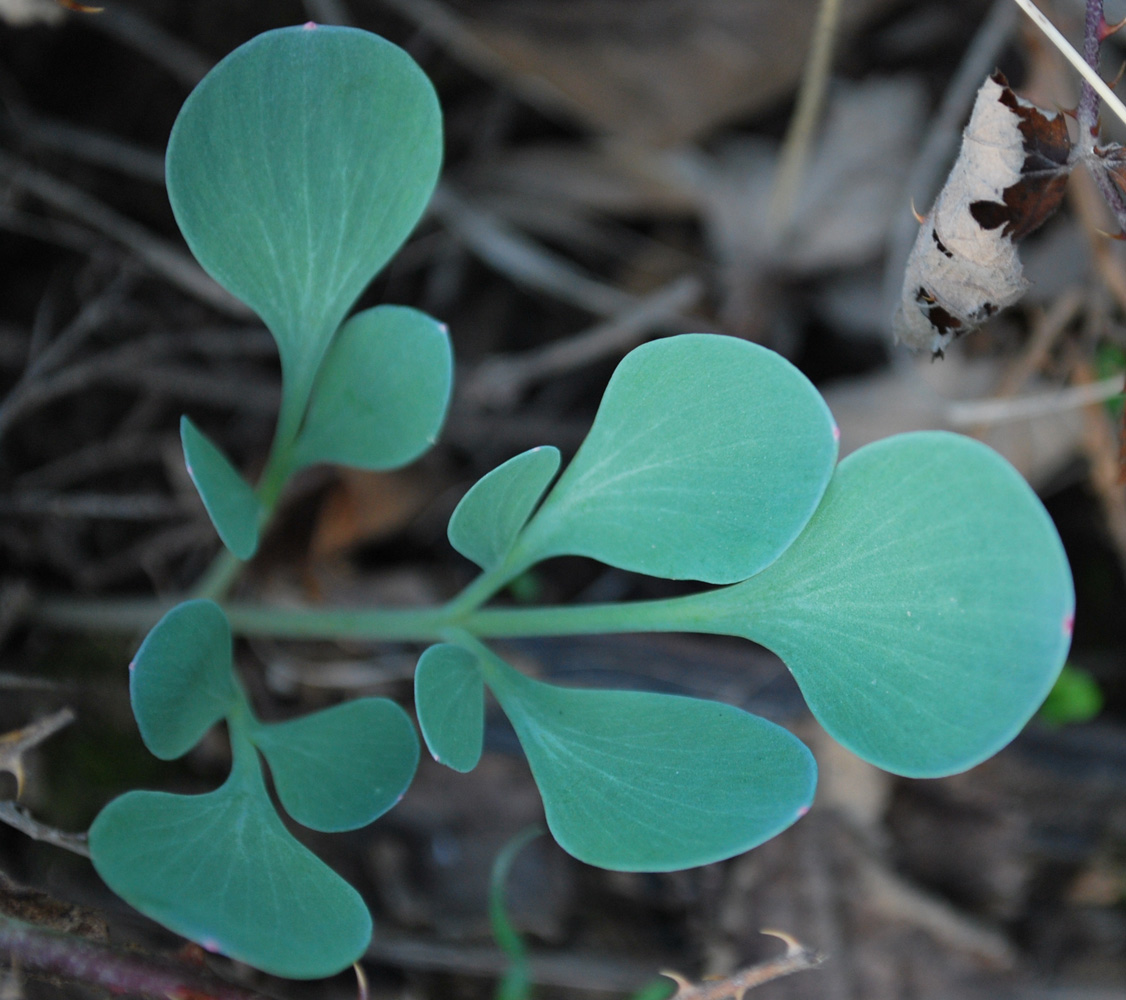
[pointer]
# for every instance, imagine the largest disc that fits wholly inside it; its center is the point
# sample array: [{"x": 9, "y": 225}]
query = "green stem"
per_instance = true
[
  {"x": 220, "y": 576},
  {"x": 491, "y": 581},
  {"x": 677, "y": 614},
  {"x": 516, "y": 982}
]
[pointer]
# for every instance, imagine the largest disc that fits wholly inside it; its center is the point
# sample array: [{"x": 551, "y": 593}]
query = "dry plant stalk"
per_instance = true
[
  {"x": 15, "y": 744},
  {"x": 797, "y": 958}
]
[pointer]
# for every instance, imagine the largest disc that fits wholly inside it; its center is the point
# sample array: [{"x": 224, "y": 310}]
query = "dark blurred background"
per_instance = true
[{"x": 608, "y": 179}]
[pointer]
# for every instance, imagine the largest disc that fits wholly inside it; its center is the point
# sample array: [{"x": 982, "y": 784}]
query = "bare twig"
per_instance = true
[
  {"x": 823, "y": 894},
  {"x": 159, "y": 255},
  {"x": 523, "y": 260},
  {"x": 126, "y": 366},
  {"x": 797, "y": 958},
  {"x": 794, "y": 154},
  {"x": 19, "y": 819},
  {"x": 93, "y": 147},
  {"x": 140, "y": 34},
  {"x": 152, "y": 554},
  {"x": 1002, "y": 410},
  {"x": 1089, "y": 73},
  {"x": 500, "y": 380},
  {"x": 905, "y": 903},
  {"x": 95, "y": 312},
  {"x": 95, "y": 458},
  {"x": 100, "y": 506},
  {"x": 93, "y": 964},
  {"x": 16, "y": 600},
  {"x": 18, "y": 682},
  {"x": 58, "y": 232},
  {"x": 451, "y": 30},
  {"x": 1087, "y": 112},
  {"x": 15, "y": 744},
  {"x": 1046, "y": 332},
  {"x": 570, "y": 971}
]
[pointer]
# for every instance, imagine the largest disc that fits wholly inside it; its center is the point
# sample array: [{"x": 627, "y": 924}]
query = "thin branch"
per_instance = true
[
  {"x": 500, "y": 380},
  {"x": 1087, "y": 112},
  {"x": 179, "y": 59},
  {"x": 523, "y": 260},
  {"x": 794, "y": 156},
  {"x": 167, "y": 260},
  {"x": 15, "y": 744},
  {"x": 796, "y": 958},
  {"x": 99, "y": 506},
  {"x": 88, "y": 962},
  {"x": 18, "y": 818},
  {"x": 999, "y": 411},
  {"x": 1069, "y": 52}
]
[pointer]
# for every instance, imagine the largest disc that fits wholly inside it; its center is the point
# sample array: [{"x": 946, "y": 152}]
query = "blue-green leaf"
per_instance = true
[
  {"x": 343, "y": 767},
  {"x": 181, "y": 681},
  {"x": 222, "y": 870},
  {"x": 449, "y": 698},
  {"x": 382, "y": 392},
  {"x": 635, "y": 781},
  {"x": 707, "y": 457},
  {"x": 485, "y": 524},
  {"x": 926, "y": 611},
  {"x": 296, "y": 168},
  {"x": 231, "y": 503}
]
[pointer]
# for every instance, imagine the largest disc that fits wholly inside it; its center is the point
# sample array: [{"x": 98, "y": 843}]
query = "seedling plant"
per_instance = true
[{"x": 917, "y": 590}]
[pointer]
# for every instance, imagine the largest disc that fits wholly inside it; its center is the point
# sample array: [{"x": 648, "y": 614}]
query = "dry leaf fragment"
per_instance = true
[{"x": 1009, "y": 177}]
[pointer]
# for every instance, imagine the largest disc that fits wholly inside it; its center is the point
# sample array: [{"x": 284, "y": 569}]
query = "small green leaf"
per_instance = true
[
  {"x": 222, "y": 870},
  {"x": 485, "y": 524},
  {"x": 296, "y": 168},
  {"x": 382, "y": 392},
  {"x": 449, "y": 698},
  {"x": 181, "y": 681},
  {"x": 343, "y": 767},
  {"x": 231, "y": 504},
  {"x": 634, "y": 781},
  {"x": 1075, "y": 697},
  {"x": 926, "y": 611},
  {"x": 707, "y": 457}
]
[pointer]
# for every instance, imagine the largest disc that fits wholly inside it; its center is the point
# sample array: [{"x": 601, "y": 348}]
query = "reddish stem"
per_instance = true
[
  {"x": 1087, "y": 113},
  {"x": 80, "y": 960}
]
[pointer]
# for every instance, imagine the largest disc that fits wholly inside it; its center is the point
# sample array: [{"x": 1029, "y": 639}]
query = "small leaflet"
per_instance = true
[{"x": 1009, "y": 177}]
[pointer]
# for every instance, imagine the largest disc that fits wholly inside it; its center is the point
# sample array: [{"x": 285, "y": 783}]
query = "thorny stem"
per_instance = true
[
  {"x": 18, "y": 818},
  {"x": 1086, "y": 71},
  {"x": 1087, "y": 113},
  {"x": 87, "y": 962}
]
